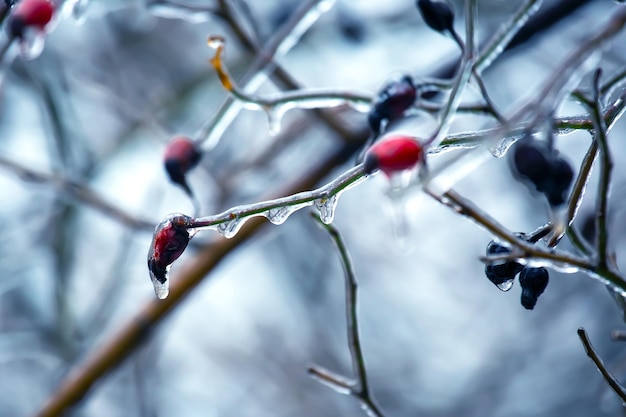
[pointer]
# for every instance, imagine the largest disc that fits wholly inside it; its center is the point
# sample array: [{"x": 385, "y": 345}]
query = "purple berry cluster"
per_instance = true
[
  {"x": 542, "y": 167},
  {"x": 532, "y": 280}
]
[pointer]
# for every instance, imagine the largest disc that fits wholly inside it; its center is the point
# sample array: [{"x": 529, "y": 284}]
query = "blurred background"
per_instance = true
[{"x": 118, "y": 80}]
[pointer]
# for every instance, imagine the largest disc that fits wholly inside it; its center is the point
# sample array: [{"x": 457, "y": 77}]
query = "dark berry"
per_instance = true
[
  {"x": 502, "y": 272},
  {"x": 437, "y": 14},
  {"x": 392, "y": 101},
  {"x": 181, "y": 155},
  {"x": 542, "y": 167},
  {"x": 561, "y": 176},
  {"x": 531, "y": 160},
  {"x": 533, "y": 282},
  {"x": 393, "y": 154}
]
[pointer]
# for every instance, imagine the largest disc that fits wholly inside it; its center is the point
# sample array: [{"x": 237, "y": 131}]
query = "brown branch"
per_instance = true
[{"x": 610, "y": 379}]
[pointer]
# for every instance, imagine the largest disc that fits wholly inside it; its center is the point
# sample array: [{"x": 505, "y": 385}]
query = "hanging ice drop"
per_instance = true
[{"x": 326, "y": 207}]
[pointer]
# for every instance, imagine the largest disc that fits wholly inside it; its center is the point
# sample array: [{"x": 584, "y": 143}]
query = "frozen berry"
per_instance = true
[
  {"x": 169, "y": 241},
  {"x": 533, "y": 282},
  {"x": 544, "y": 168},
  {"x": 437, "y": 14},
  {"x": 30, "y": 14},
  {"x": 393, "y": 154},
  {"x": 561, "y": 176},
  {"x": 181, "y": 155},
  {"x": 531, "y": 160},
  {"x": 392, "y": 101},
  {"x": 501, "y": 273}
]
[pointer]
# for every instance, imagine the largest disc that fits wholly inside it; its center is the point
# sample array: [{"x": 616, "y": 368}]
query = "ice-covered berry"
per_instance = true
[
  {"x": 395, "y": 98},
  {"x": 501, "y": 273},
  {"x": 393, "y": 154},
  {"x": 541, "y": 166},
  {"x": 169, "y": 241},
  {"x": 533, "y": 282}
]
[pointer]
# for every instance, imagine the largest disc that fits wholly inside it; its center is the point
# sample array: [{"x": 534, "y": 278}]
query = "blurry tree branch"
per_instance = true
[{"x": 79, "y": 192}]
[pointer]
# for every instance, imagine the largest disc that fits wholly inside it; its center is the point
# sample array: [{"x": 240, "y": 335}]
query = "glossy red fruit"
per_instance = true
[
  {"x": 30, "y": 13},
  {"x": 170, "y": 239},
  {"x": 181, "y": 155},
  {"x": 393, "y": 154}
]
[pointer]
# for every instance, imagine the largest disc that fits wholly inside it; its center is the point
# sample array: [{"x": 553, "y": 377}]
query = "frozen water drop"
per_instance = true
[
  {"x": 161, "y": 289},
  {"x": 230, "y": 228},
  {"x": 274, "y": 119},
  {"x": 31, "y": 46},
  {"x": 279, "y": 215},
  {"x": 326, "y": 207},
  {"x": 505, "y": 285},
  {"x": 500, "y": 147},
  {"x": 400, "y": 206}
]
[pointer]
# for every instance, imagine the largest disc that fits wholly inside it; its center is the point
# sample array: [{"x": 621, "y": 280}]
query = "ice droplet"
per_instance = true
[
  {"x": 506, "y": 285},
  {"x": 279, "y": 215},
  {"x": 31, "y": 46},
  {"x": 274, "y": 119},
  {"x": 326, "y": 207},
  {"x": 501, "y": 146},
  {"x": 400, "y": 206},
  {"x": 230, "y": 228},
  {"x": 161, "y": 289}
]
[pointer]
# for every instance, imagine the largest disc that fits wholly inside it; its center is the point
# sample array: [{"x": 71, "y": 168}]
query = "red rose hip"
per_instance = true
[
  {"x": 393, "y": 154},
  {"x": 30, "y": 14},
  {"x": 181, "y": 155}
]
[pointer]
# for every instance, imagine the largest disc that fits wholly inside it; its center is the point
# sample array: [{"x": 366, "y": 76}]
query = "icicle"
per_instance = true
[
  {"x": 230, "y": 228},
  {"x": 506, "y": 285},
  {"x": 326, "y": 207}
]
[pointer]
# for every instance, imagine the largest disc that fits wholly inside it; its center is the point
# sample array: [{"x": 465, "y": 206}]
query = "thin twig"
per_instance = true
[
  {"x": 606, "y": 169},
  {"x": 360, "y": 389},
  {"x": 610, "y": 379}
]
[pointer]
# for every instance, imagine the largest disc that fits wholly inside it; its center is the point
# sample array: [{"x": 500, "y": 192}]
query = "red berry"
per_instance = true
[
  {"x": 393, "y": 154},
  {"x": 168, "y": 243},
  {"x": 181, "y": 155},
  {"x": 31, "y": 13}
]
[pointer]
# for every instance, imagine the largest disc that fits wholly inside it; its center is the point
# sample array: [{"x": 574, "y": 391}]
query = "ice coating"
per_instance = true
[
  {"x": 169, "y": 241},
  {"x": 326, "y": 207}
]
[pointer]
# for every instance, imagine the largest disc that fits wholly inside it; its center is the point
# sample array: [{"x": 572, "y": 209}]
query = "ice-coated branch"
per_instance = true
[
  {"x": 593, "y": 355},
  {"x": 359, "y": 388},
  {"x": 264, "y": 64},
  {"x": 606, "y": 169},
  {"x": 275, "y": 106}
]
